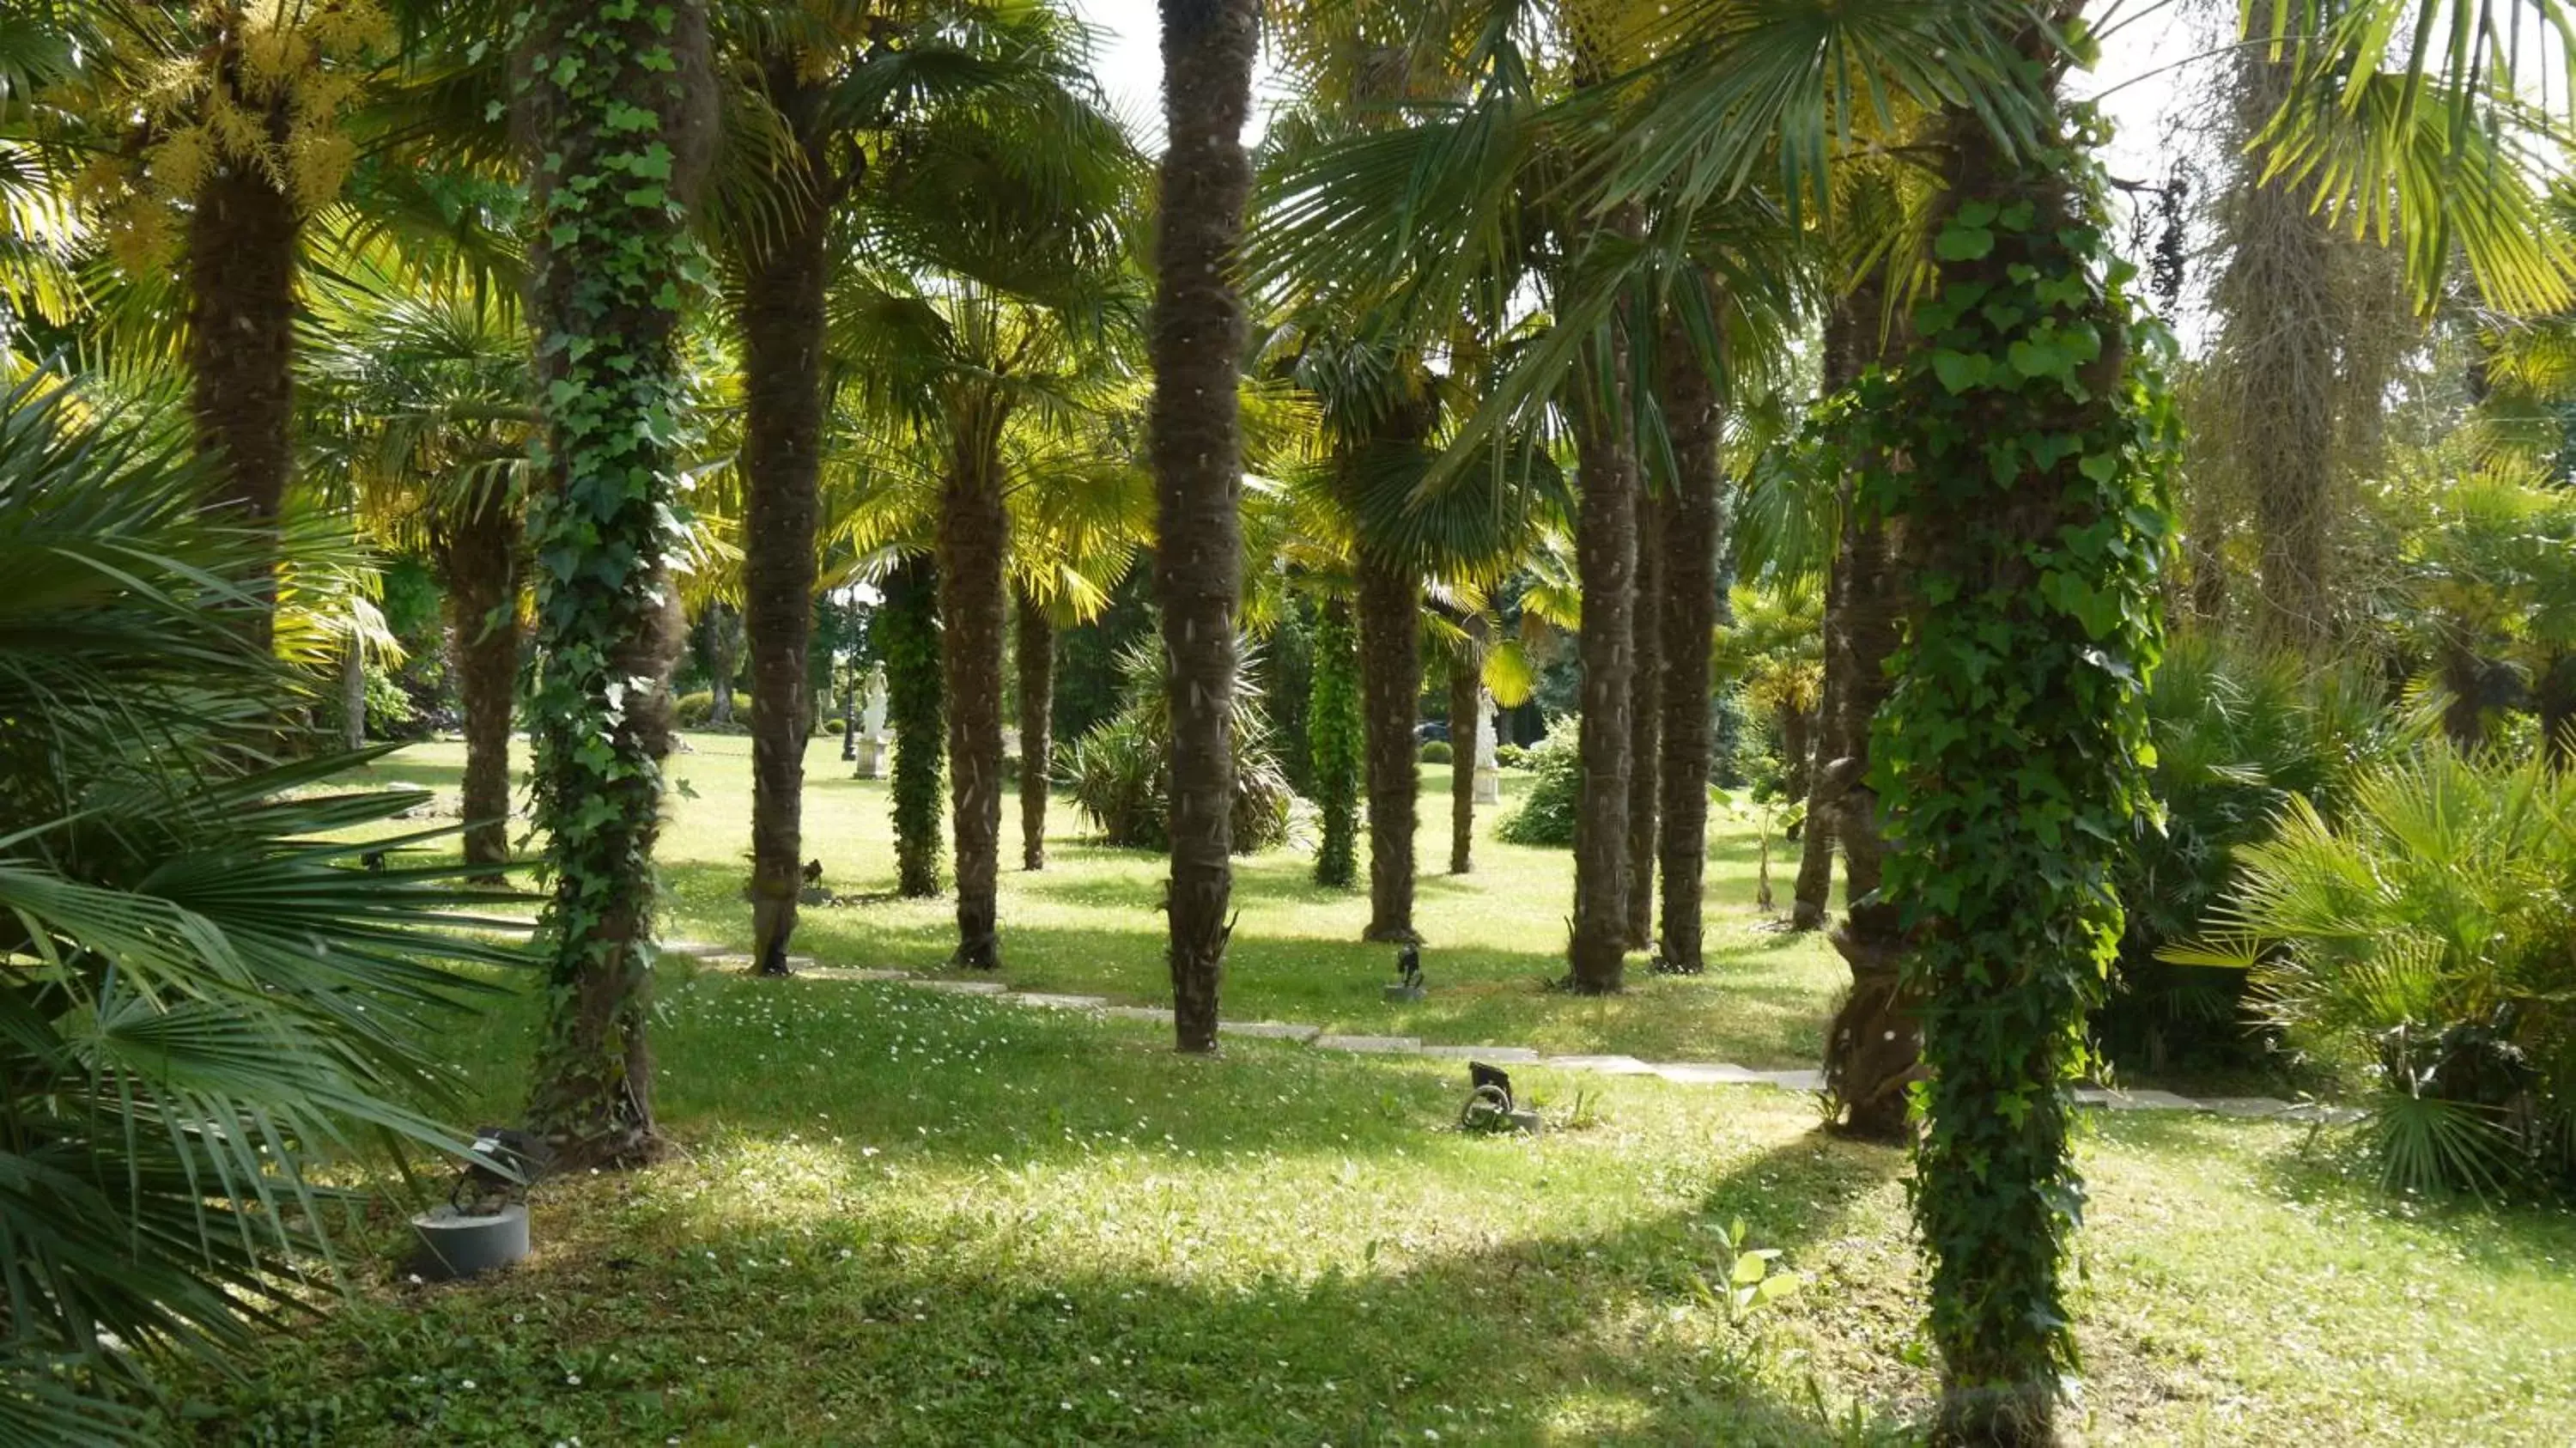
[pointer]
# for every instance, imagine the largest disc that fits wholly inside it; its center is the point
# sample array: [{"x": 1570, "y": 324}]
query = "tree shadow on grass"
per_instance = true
[{"x": 891, "y": 1322}]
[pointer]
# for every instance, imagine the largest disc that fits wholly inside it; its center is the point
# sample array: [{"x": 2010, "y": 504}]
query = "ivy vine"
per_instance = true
[
  {"x": 2021, "y": 450},
  {"x": 907, "y": 638},
  {"x": 1334, "y": 742},
  {"x": 605, "y": 91}
]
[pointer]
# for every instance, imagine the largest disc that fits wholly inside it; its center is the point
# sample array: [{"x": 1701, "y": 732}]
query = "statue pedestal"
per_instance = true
[
  {"x": 872, "y": 758},
  {"x": 1489, "y": 784}
]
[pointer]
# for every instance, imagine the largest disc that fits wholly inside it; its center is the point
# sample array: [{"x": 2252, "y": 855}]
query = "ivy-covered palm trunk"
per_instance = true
[
  {"x": 2027, "y": 451},
  {"x": 1197, "y": 343},
  {"x": 1605, "y": 553},
  {"x": 973, "y": 534},
  {"x": 1035, "y": 656},
  {"x": 1390, "y": 610},
  {"x": 1467, "y": 724},
  {"x": 612, "y": 101},
  {"x": 908, "y": 642},
  {"x": 478, "y": 558},
  {"x": 1689, "y": 546},
  {"x": 1333, "y": 742},
  {"x": 241, "y": 264},
  {"x": 1645, "y": 721},
  {"x": 782, "y": 334}
]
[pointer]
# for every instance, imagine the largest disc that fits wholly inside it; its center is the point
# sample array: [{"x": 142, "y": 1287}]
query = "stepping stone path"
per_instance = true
[{"x": 1687, "y": 1073}]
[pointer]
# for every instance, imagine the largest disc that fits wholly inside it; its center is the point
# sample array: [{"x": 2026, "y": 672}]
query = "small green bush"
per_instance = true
[
  {"x": 833, "y": 727},
  {"x": 691, "y": 711},
  {"x": 1511, "y": 756},
  {"x": 1546, "y": 815},
  {"x": 1119, "y": 774},
  {"x": 1437, "y": 751},
  {"x": 2425, "y": 940}
]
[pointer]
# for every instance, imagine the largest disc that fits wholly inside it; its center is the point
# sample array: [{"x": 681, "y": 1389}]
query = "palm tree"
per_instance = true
[
  {"x": 887, "y": 127},
  {"x": 229, "y": 1011},
  {"x": 619, "y": 118},
  {"x": 215, "y": 131},
  {"x": 431, "y": 402},
  {"x": 1197, "y": 343}
]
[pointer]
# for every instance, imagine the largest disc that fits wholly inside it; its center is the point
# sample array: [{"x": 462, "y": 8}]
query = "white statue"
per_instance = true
[
  {"x": 872, "y": 741},
  {"x": 1488, "y": 725}
]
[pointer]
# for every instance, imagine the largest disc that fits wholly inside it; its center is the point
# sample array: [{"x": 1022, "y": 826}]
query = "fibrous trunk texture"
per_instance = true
[
  {"x": 1390, "y": 604},
  {"x": 1692, "y": 520},
  {"x": 241, "y": 265},
  {"x": 1874, "y": 1046},
  {"x": 1467, "y": 727},
  {"x": 973, "y": 536},
  {"x": 480, "y": 573},
  {"x": 1645, "y": 722},
  {"x": 782, "y": 332},
  {"x": 1606, "y": 562},
  {"x": 907, "y": 632},
  {"x": 608, "y": 265},
  {"x": 353, "y": 695},
  {"x": 1197, "y": 446},
  {"x": 1036, "y": 659},
  {"x": 2278, "y": 340}
]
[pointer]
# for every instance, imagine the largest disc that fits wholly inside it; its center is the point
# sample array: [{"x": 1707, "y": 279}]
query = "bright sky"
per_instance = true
[{"x": 1129, "y": 61}]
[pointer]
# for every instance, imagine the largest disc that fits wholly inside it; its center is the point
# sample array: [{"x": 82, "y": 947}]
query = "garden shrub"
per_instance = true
[
  {"x": 2236, "y": 737},
  {"x": 1546, "y": 815},
  {"x": 2425, "y": 941},
  {"x": 1437, "y": 751},
  {"x": 690, "y": 711},
  {"x": 1511, "y": 756},
  {"x": 1119, "y": 774}
]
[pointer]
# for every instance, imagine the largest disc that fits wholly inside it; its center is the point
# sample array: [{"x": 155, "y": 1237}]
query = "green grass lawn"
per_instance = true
[
  {"x": 1087, "y": 923},
  {"x": 893, "y": 1216},
  {"x": 898, "y": 1217}
]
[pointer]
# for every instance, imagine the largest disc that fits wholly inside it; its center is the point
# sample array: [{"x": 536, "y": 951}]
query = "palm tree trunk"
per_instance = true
[
  {"x": 241, "y": 267},
  {"x": 1691, "y": 524},
  {"x": 1036, "y": 653},
  {"x": 1606, "y": 563},
  {"x": 1645, "y": 723},
  {"x": 973, "y": 534},
  {"x": 2279, "y": 347},
  {"x": 1815, "y": 888},
  {"x": 353, "y": 695},
  {"x": 1197, "y": 343},
  {"x": 610, "y": 267},
  {"x": 724, "y": 660},
  {"x": 1874, "y": 1047},
  {"x": 782, "y": 457},
  {"x": 479, "y": 576},
  {"x": 1467, "y": 724},
  {"x": 907, "y": 635},
  {"x": 1390, "y": 607},
  {"x": 2554, "y": 692}
]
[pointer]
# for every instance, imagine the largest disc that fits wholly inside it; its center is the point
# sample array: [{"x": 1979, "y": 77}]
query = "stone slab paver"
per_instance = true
[
  {"x": 1688, "y": 1073},
  {"x": 1603, "y": 1065},
  {"x": 963, "y": 987},
  {"x": 1050, "y": 1001},
  {"x": 699, "y": 948},
  {"x": 1490, "y": 1055},
  {"x": 1270, "y": 1030},
  {"x": 1693, "y": 1073},
  {"x": 1372, "y": 1045},
  {"x": 2255, "y": 1106}
]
